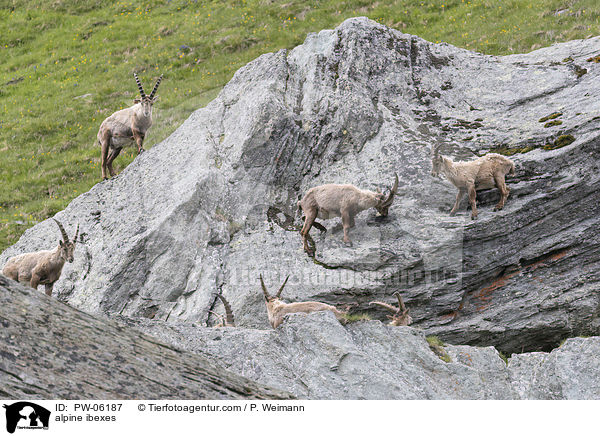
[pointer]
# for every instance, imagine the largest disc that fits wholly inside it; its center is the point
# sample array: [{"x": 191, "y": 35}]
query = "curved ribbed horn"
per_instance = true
[
  {"x": 155, "y": 87},
  {"x": 385, "y": 305},
  {"x": 228, "y": 312},
  {"x": 264, "y": 288},
  {"x": 400, "y": 302},
  {"x": 393, "y": 191},
  {"x": 282, "y": 286},
  {"x": 62, "y": 231},
  {"x": 76, "y": 233},
  {"x": 142, "y": 93}
]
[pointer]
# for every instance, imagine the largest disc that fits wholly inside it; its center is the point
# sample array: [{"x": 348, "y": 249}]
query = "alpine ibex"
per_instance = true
[
  {"x": 42, "y": 267},
  {"x": 125, "y": 127},
  {"x": 228, "y": 320},
  {"x": 331, "y": 200},
  {"x": 277, "y": 309},
  {"x": 400, "y": 314},
  {"x": 485, "y": 172}
]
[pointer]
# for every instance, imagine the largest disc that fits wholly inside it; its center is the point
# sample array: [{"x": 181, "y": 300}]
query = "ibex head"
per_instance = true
[
  {"x": 269, "y": 298},
  {"x": 146, "y": 100},
  {"x": 400, "y": 314},
  {"x": 437, "y": 161},
  {"x": 385, "y": 201},
  {"x": 67, "y": 248}
]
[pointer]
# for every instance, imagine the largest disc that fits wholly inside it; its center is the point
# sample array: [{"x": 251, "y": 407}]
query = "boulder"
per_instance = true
[{"x": 50, "y": 350}]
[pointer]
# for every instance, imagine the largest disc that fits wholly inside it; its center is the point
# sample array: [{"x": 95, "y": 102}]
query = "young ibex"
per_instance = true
[
  {"x": 42, "y": 267},
  {"x": 400, "y": 316},
  {"x": 485, "y": 172},
  {"x": 125, "y": 127},
  {"x": 277, "y": 309},
  {"x": 228, "y": 320},
  {"x": 328, "y": 201}
]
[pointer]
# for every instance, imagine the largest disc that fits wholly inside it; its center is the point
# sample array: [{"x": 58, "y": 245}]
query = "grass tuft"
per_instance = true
[
  {"x": 437, "y": 346},
  {"x": 356, "y": 317},
  {"x": 550, "y": 117}
]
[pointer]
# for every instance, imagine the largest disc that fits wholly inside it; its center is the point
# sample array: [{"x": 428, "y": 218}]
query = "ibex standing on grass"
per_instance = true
[
  {"x": 125, "y": 127},
  {"x": 400, "y": 314},
  {"x": 42, "y": 267},
  {"x": 328, "y": 201},
  {"x": 485, "y": 172},
  {"x": 277, "y": 309}
]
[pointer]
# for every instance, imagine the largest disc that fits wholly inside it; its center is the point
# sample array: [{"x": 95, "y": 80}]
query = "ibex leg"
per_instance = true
[
  {"x": 504, "y": 191},
  {"x": 308, "y": 222},
  {"x": 472, "y": 198},
  {"x": 459, "y": 196},
  {"x": 111, "y": 157},
  {"x": 104, "y": 155},
  {"x": 347, "y": 219},
  {"x": 35, "y": 281},
  {"x": 139, "y": 140}
]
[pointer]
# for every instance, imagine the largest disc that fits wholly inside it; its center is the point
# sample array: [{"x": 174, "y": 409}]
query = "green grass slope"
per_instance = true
[{"x": 65, "y": 65}]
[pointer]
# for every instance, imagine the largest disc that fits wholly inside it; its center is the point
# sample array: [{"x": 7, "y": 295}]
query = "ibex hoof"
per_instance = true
[
  {"x": 473, "y": 217},
  {"x": 452, "y": 213},
  {"x": 496, "y": 209},
  {"x": 348, "y": 243}
]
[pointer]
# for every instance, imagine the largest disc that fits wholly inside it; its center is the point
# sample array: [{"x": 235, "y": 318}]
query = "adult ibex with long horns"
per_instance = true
[
  {"x": 277, "y": 309},
  {"x": 42, "y": 267},
  {"x": 399, "y": 315},
  {"x": 126, "y": 127},
  {"x": 227, "y": 320}
]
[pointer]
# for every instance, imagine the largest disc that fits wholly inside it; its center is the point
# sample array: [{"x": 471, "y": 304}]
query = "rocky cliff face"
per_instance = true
[{"x": 214, "y": 205}]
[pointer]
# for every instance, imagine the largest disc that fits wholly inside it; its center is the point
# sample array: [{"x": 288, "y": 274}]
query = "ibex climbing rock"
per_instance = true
[
  {"x": 126, "y": 127},
  {"x": 277, "y": 309},
  {"x": 485, "y": 172},
  {"x": 347, "y": 201},
  {"x": 42, "y": 267},
  {"x": 400, "y": 314}
]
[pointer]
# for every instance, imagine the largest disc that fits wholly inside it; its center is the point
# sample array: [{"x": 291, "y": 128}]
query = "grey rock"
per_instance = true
[
  {"x": 214, "y": 205},
  {"x": 315, "y": 357},
  {"x": 50, "y": 350},
  {"x": 568, "y": 373}
]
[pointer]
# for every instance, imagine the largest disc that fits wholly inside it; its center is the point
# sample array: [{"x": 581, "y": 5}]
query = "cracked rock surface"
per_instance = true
[
  {"x": 215, "y": 204},
  {"x": 50, "y": 350}
]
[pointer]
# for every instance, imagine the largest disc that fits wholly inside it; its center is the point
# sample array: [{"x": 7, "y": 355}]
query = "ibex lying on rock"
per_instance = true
[
  {"x": 328, "y": 201},
  {"x": 125, "y": 127},
  {"x": 277, "y": 309},
  {"x": 228, "y": 320},
  {"x": 42, "y": 267},
  {"x": 400, "y": 316},
  {"x": 485, "y": 172}
]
